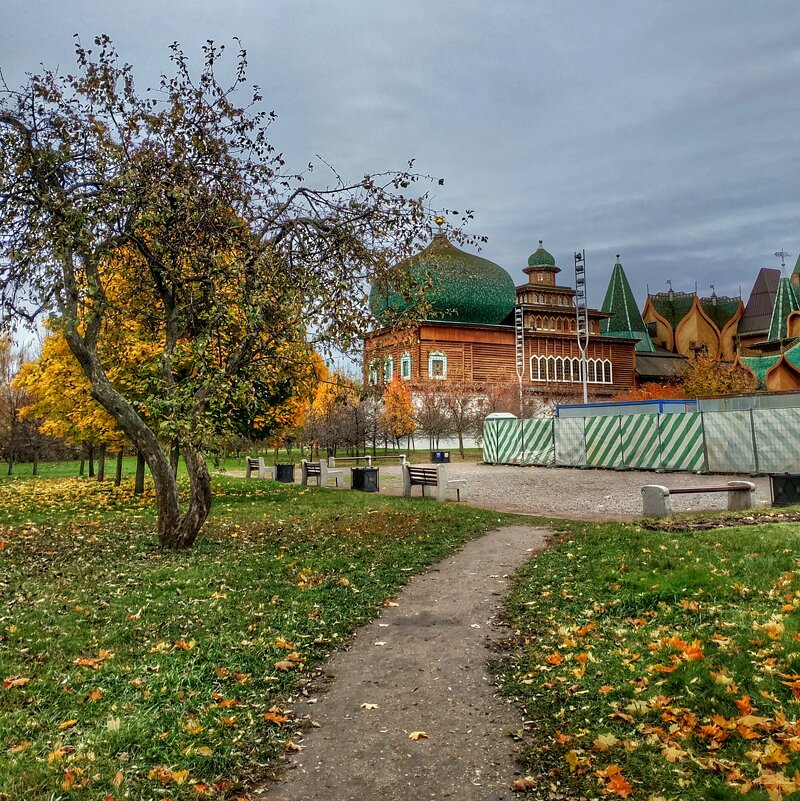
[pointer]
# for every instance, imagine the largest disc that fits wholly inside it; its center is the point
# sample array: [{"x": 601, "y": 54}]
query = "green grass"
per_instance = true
[
  {"x": 133, "y": 673},
  {"x": 70, "y": 469},
  {"x": 660, "y": 665}
]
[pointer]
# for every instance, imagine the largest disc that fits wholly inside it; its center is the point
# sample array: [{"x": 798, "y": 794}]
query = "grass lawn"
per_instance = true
[
  {"x": 660, "y": 665},
  {"x": 69, "y": 469},
  {"x": 132, "y": 673}
]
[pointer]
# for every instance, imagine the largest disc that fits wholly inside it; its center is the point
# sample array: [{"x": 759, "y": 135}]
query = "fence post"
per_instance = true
[{"x": 755, "y": 443}]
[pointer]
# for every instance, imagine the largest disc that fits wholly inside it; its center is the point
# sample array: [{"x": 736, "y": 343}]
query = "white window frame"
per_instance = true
[
  {"x": 372, "y": 375},
  {"x": 405, "y": 367},
  {"x": 437, "y": 356},
  {"x": 388, "y": 370}
]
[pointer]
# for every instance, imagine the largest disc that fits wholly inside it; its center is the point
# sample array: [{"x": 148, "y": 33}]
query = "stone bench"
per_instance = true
[
  {"x": 320, "y": 471},
  {"x": 256, "y": 465},
  {"x": 656, "y": 499},
  {"x": 432, "y": 477}
]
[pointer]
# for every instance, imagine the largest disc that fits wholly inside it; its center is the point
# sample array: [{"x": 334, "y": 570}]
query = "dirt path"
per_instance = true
[{"x": 423, "y": 663}]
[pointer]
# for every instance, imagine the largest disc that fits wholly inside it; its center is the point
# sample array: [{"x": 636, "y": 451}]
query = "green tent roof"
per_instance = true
[
  {"x": 761, "y": 364},
  {"x": 785, "y": 304},
  {"x": 626, "y": 321}
]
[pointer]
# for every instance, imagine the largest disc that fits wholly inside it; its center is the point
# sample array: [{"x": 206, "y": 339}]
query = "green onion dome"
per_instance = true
[
  {"x": 541, "y": 258},
  {"x": 463, "y": 288}
]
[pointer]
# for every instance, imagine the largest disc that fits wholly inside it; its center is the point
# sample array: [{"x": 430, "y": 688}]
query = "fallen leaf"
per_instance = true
[
  {"x": 292, "y": 746},
  {"x": 180, "y": 776},
  {"x": 93, "y": 695},
  {"x": 67, "y": 724},
  {"x": 285, "y": 665},
  {"x": 418, "y": 735},
  {"x": 20, "y": 746},
  {"x": 369, "y": 706},
  {"x": 605, "y": 741},
  {"x": 523, "y": 785},
  {"x": 12, "y": 683}
]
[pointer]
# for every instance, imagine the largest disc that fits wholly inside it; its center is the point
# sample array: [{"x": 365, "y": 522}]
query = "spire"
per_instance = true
[
  {"x": 785, "y": 303},
  {"x": 625, "y": 321}
]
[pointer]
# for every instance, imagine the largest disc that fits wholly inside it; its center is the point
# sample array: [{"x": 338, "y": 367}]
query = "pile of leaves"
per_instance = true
[
  {"x": 660, "y": 665},
  {"x": 129, "y": 672}
]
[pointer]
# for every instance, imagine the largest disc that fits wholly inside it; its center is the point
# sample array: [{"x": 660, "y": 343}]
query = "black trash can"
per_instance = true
[
  {"x": 284, "y": 473},
  {"x": 364, "y": 479},
  {"x": 785, "y": 489},
  {"x": 440, "y": 457}
]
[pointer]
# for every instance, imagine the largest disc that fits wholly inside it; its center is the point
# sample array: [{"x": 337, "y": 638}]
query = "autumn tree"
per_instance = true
[
  {"x": 20, "y": 439},
  {"x": 396, "y": 417},
  {"x": 173, "y": 208},
  {"x": 707, "y": 376},
  {"x": 431, "y": 414},
  {"x": 651, "y": 390}
]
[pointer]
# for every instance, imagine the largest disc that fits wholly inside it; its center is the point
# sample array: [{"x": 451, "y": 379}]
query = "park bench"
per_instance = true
[
  {"x": 320, "y": 471},
  {"x": 432, "y": 477},
  {"x": 401, "y": 458},
  {"x": 357, "y": 459},
  {"x": 656, "y": 499},
  {"x": 256, "y": 465}
]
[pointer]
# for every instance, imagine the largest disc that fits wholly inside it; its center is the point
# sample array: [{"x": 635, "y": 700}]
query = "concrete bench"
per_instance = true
[
  {"x": 320, "y": 471},
  {"x": 432, "y": 477},
  {"x": 656, "y": 499},
  {"x": 256, "y": 465},
  {"x": 347, "y": 459}
]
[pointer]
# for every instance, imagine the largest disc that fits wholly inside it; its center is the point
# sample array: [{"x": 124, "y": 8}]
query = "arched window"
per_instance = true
[
  {"x": 405, "y": 367},
  {"x": 437, "y": 365}
]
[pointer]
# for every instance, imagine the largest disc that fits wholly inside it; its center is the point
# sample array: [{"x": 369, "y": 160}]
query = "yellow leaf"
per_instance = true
[
  {"x": 369, "y": 706},
  {"x": 285, "y": 665},
  {"x": 418, "y": 735},
  {"x": 118, "y": 777},
  {"x": 605, "y": 741},
  {"x": 67, "y": 724},
  {"x": 180, "y": 776},
  {"x": 12, "y": 683},
  {"x": 94, "y": 695},
  {"x": 20, "y": 746},
  {"x": 205, "y": 751},
  {"x": 192, "y": 726}
]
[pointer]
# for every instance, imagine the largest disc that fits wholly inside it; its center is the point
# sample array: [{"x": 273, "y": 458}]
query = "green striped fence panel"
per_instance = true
[
  {"x": 538, "y": 443},
  {"x": 490, "y": 441},
  {"x": 729, "y": 442},
  {"x": 776, "y": 440},
  {"x": 681, "y": 441},
  {"x": 570, "y": 441},
  {"x": 502, "y": 441},
  {"x": 641, "y": 445},
  {"x": 603, "y": 441}
]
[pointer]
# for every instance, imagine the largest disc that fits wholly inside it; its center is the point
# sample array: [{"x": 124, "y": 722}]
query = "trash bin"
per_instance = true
[
  {"x": 364, "y": 479},
  {"x": 440, "y": 457},
  {"x": 284, "y": 473},
  {"x": 785, "y": 488}
]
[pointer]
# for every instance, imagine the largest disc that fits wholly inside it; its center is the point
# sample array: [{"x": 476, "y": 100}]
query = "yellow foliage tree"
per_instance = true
[
  {"x": 707, "y": 376},
  {"x": 397, "y": 416}
]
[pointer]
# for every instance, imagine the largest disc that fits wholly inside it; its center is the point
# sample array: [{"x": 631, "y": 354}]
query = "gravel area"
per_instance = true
[
  {"x": 568, "y": 492},
  {"x": 572, "y": 493}
]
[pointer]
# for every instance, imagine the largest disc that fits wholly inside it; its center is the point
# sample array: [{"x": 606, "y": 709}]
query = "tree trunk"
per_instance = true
[
  {"x": 10, "y": 465},
  {"x": 461, "y": 444},
  {"x": 35, "y": 463},
  {"x": 91, "y": 461},
  {"x": 174, "y": 529},
  {"x": 175, "y": 456},
  {"x": 118, "y": 476},
  {"x": 138, "y": 485},
  {"x": 82, "y": 468},
  {"x": 101, "y": 463}
]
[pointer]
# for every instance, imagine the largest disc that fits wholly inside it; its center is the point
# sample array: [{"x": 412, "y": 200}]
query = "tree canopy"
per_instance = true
[{"x": 169, "y": 218}]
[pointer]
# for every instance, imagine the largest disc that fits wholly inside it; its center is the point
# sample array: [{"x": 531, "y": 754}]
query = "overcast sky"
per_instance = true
[{"x": 668, "y": 132}]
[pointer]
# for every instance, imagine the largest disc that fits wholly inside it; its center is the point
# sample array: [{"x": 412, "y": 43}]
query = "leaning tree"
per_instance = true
[{"x": 171, "y": 213}]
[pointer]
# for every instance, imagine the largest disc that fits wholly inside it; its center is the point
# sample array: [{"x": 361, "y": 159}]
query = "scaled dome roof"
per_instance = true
[
  {"x": 464, "y": 288},
  {"x": 541, "y": 258}
]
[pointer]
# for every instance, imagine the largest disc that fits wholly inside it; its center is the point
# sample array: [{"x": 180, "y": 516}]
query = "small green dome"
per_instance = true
[
  {"x": 463, "y": 288},
  {"x": 541, "y": 258}
]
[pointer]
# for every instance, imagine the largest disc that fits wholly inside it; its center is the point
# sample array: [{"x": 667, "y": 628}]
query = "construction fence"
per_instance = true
[{"x": 753, "y": 441}]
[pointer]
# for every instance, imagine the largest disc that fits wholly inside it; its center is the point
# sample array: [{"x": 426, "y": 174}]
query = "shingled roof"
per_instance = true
[
  {"x": 625, "y": 321},
  {"x": 758, "y": 311},
  {"x": 785, "y": 304}
]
